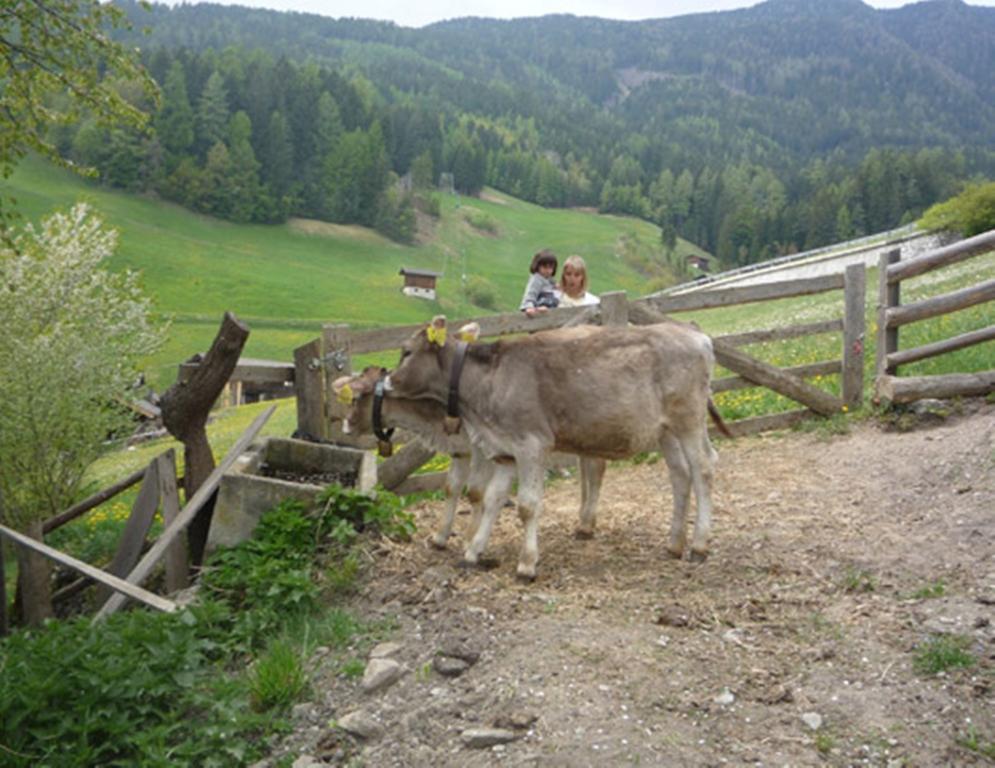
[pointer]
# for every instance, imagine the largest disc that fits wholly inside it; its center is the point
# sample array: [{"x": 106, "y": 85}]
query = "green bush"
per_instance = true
[
  {"x": 970, "y": 213},
  {"x": 481, "y": 292},
  {"x": 156, "y": 689}
]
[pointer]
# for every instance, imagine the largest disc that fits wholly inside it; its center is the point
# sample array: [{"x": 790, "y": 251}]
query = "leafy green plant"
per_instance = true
[
  {"x": 353, "y": 668},
  {"x": 943, "y": 652},
  {"x": 975, "y": 743},
  {"x": 858, "y": 580},
  {"x": 936, "y": 589},
  {"x": 277, "y": 679}
]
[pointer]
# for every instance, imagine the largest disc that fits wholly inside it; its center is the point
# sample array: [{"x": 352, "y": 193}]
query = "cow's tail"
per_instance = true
[{"x": 717, "y": 418}]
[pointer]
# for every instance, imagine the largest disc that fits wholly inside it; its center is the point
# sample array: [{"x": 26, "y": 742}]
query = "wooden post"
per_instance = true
[
  {"x": 854, "y": 288},
  {"x": 888, "y": 296},
  {"x": 136, "y": 528},
  {"x": 120, "y": 586},
  {"x": 187, "y": 514},
  {"x": 176, "y": 560},
  {"x": 308, "y": 386},
  {"x": 614, "y": 308},
  {"x": 336, "y": 361}
]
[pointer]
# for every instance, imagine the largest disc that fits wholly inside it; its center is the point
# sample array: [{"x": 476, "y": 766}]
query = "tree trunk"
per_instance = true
[
  {"x": 185, "y": 408},
  {"x": 34, "y": 581}
]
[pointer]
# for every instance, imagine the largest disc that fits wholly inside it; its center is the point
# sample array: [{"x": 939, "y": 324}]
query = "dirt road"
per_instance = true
[{"x": 835, "y": 561}]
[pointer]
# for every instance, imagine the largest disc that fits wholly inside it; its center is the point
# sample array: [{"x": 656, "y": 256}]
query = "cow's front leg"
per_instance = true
[
  {"x": 530, "y": 486},
  {"x": 592, "y": 472},
  {"x": 459, "y": 468},
  {"x": 494, "y": 497}
]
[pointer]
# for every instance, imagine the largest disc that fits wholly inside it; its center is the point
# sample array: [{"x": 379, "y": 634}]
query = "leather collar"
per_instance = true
[{"x": 383, "y": 435}]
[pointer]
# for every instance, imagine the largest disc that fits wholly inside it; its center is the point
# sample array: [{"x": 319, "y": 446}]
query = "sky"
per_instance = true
[{"x": 418, "y": 13}]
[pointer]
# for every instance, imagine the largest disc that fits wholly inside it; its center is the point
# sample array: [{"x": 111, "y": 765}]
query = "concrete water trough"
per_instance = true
[{"x": 279, "y": 469}]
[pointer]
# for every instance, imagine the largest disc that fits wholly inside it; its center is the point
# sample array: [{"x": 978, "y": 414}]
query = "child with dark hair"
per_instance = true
[{"x": 541, "y": 292}]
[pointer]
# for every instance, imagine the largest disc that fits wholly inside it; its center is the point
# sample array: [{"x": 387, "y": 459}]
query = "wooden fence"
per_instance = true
[
  {"x": 130, "y": 568},
  {"x": 892, "y": 315},
  {"x": 321, "y": 361}
]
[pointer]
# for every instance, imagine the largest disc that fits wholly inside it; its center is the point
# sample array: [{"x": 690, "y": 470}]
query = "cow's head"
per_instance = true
[
  {"x": 420, "y": 373},
  {"x": 356, "y": 392}
]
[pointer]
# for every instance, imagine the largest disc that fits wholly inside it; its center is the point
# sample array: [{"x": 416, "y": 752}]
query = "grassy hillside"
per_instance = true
[{"x": 285, "y": 281}]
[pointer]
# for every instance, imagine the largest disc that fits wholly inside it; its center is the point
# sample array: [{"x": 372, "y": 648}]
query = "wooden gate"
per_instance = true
[{"x": 892, "y": 315}]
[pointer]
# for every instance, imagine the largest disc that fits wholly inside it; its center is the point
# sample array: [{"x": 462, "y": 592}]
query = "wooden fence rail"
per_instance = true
[
  {"x": 321, "y": 361},
  {"x": 892, "y": 315}
]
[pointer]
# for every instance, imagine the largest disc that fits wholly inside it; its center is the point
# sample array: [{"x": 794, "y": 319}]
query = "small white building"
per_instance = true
[{"x": 419, "y": 283}]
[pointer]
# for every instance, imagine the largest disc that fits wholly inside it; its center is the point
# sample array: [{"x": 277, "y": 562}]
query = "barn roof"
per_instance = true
[{"x": 419, "y": 272}]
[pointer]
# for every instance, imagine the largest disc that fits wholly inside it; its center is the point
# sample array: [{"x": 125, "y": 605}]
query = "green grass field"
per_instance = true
[{"x": 285, "y": 281}]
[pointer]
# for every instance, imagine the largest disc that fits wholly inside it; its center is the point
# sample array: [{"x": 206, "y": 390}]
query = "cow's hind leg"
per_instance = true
[
  {"x": 700, "y": 458},
  {"x": 494, "y": 497},
  {"x": 481, "y": 471},
  {"x": 459, "y": 468},
  {"x": 680, "y": 484},
  {"x": 530, "y": 486},
  {"x": 592, "y": 473}
]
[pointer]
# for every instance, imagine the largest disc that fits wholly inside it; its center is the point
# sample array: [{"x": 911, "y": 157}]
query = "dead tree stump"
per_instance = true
[{"x": 185, "y": 408}]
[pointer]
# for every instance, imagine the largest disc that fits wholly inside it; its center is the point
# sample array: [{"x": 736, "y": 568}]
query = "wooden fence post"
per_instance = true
[
  {"x": 854, "y": 288},
  {"x": 135, "y": 529},
  {"x": 336, "y": 357},
  {"x": 888, "y": 296},
  {"x": 176, "y": 559},
  {"x": 614, "y": 308},
  {"x": 308, "y": 383}
]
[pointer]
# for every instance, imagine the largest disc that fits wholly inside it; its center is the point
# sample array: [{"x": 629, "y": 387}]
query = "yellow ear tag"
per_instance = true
[
  {"x": 436, "y": 335},
  {"x": 345, "y": 395}
]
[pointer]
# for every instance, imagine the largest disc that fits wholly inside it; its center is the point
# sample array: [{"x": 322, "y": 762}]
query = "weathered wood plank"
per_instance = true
[
  {"x": 942, "y": 257},
  {"x": 380, "y": 339},
  {"x": 808, "y": 371},
  {"x": 888, "y": 296},
  {"x": 908, "y": 389},
  {"x": 758, "y": 424},
  {"x": 136, "y": 528},
  {"x": 176, "y": 560},
  {"x": 336, "y": 343},
  {"x": 179, "y": 524},
  {"x": 614, "y": 309},
  {"x": 781, "y": 334},
  {"x": 392, "y": 472},
  {"x": 854, "y": 292},
  {"x": 248, "y": 369},
  {"x": 431, "y": 481},
  {"x": 952, "y": 344},
  {"x": 897, "y": 316},
  {"x": 727, "y": 297},
  {"x": 119, "y": 585},
  {"x": 774, "y": 378},
  {"x": 93, "y": 501},
  {"x": 308, "y": 382}
]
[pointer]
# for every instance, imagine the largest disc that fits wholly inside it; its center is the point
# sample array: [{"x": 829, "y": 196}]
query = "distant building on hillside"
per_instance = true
[
  {"x": 701, "y": 262},
  {"x": 419, "y": 283}
]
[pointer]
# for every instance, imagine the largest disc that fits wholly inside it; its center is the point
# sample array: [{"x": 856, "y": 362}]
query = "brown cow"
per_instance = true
[
  {"x": 605, "y": 392},
  {"x": 426, "y": 418}
]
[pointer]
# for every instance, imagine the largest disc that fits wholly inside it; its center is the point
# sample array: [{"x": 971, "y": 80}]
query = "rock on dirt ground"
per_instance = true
[{"x": 834, "y": 559}]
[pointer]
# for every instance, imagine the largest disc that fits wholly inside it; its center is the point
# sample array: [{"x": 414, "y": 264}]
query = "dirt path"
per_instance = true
[{"x": 792, "y": 645}]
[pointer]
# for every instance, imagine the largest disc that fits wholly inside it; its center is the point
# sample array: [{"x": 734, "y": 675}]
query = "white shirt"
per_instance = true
[{"x": 586, "y": 300}]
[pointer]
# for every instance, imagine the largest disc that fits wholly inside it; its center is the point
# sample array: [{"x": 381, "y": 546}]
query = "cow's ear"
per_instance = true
[
  {"x": 436, "y": 331},
  {"x": 469, "y": 332}
]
